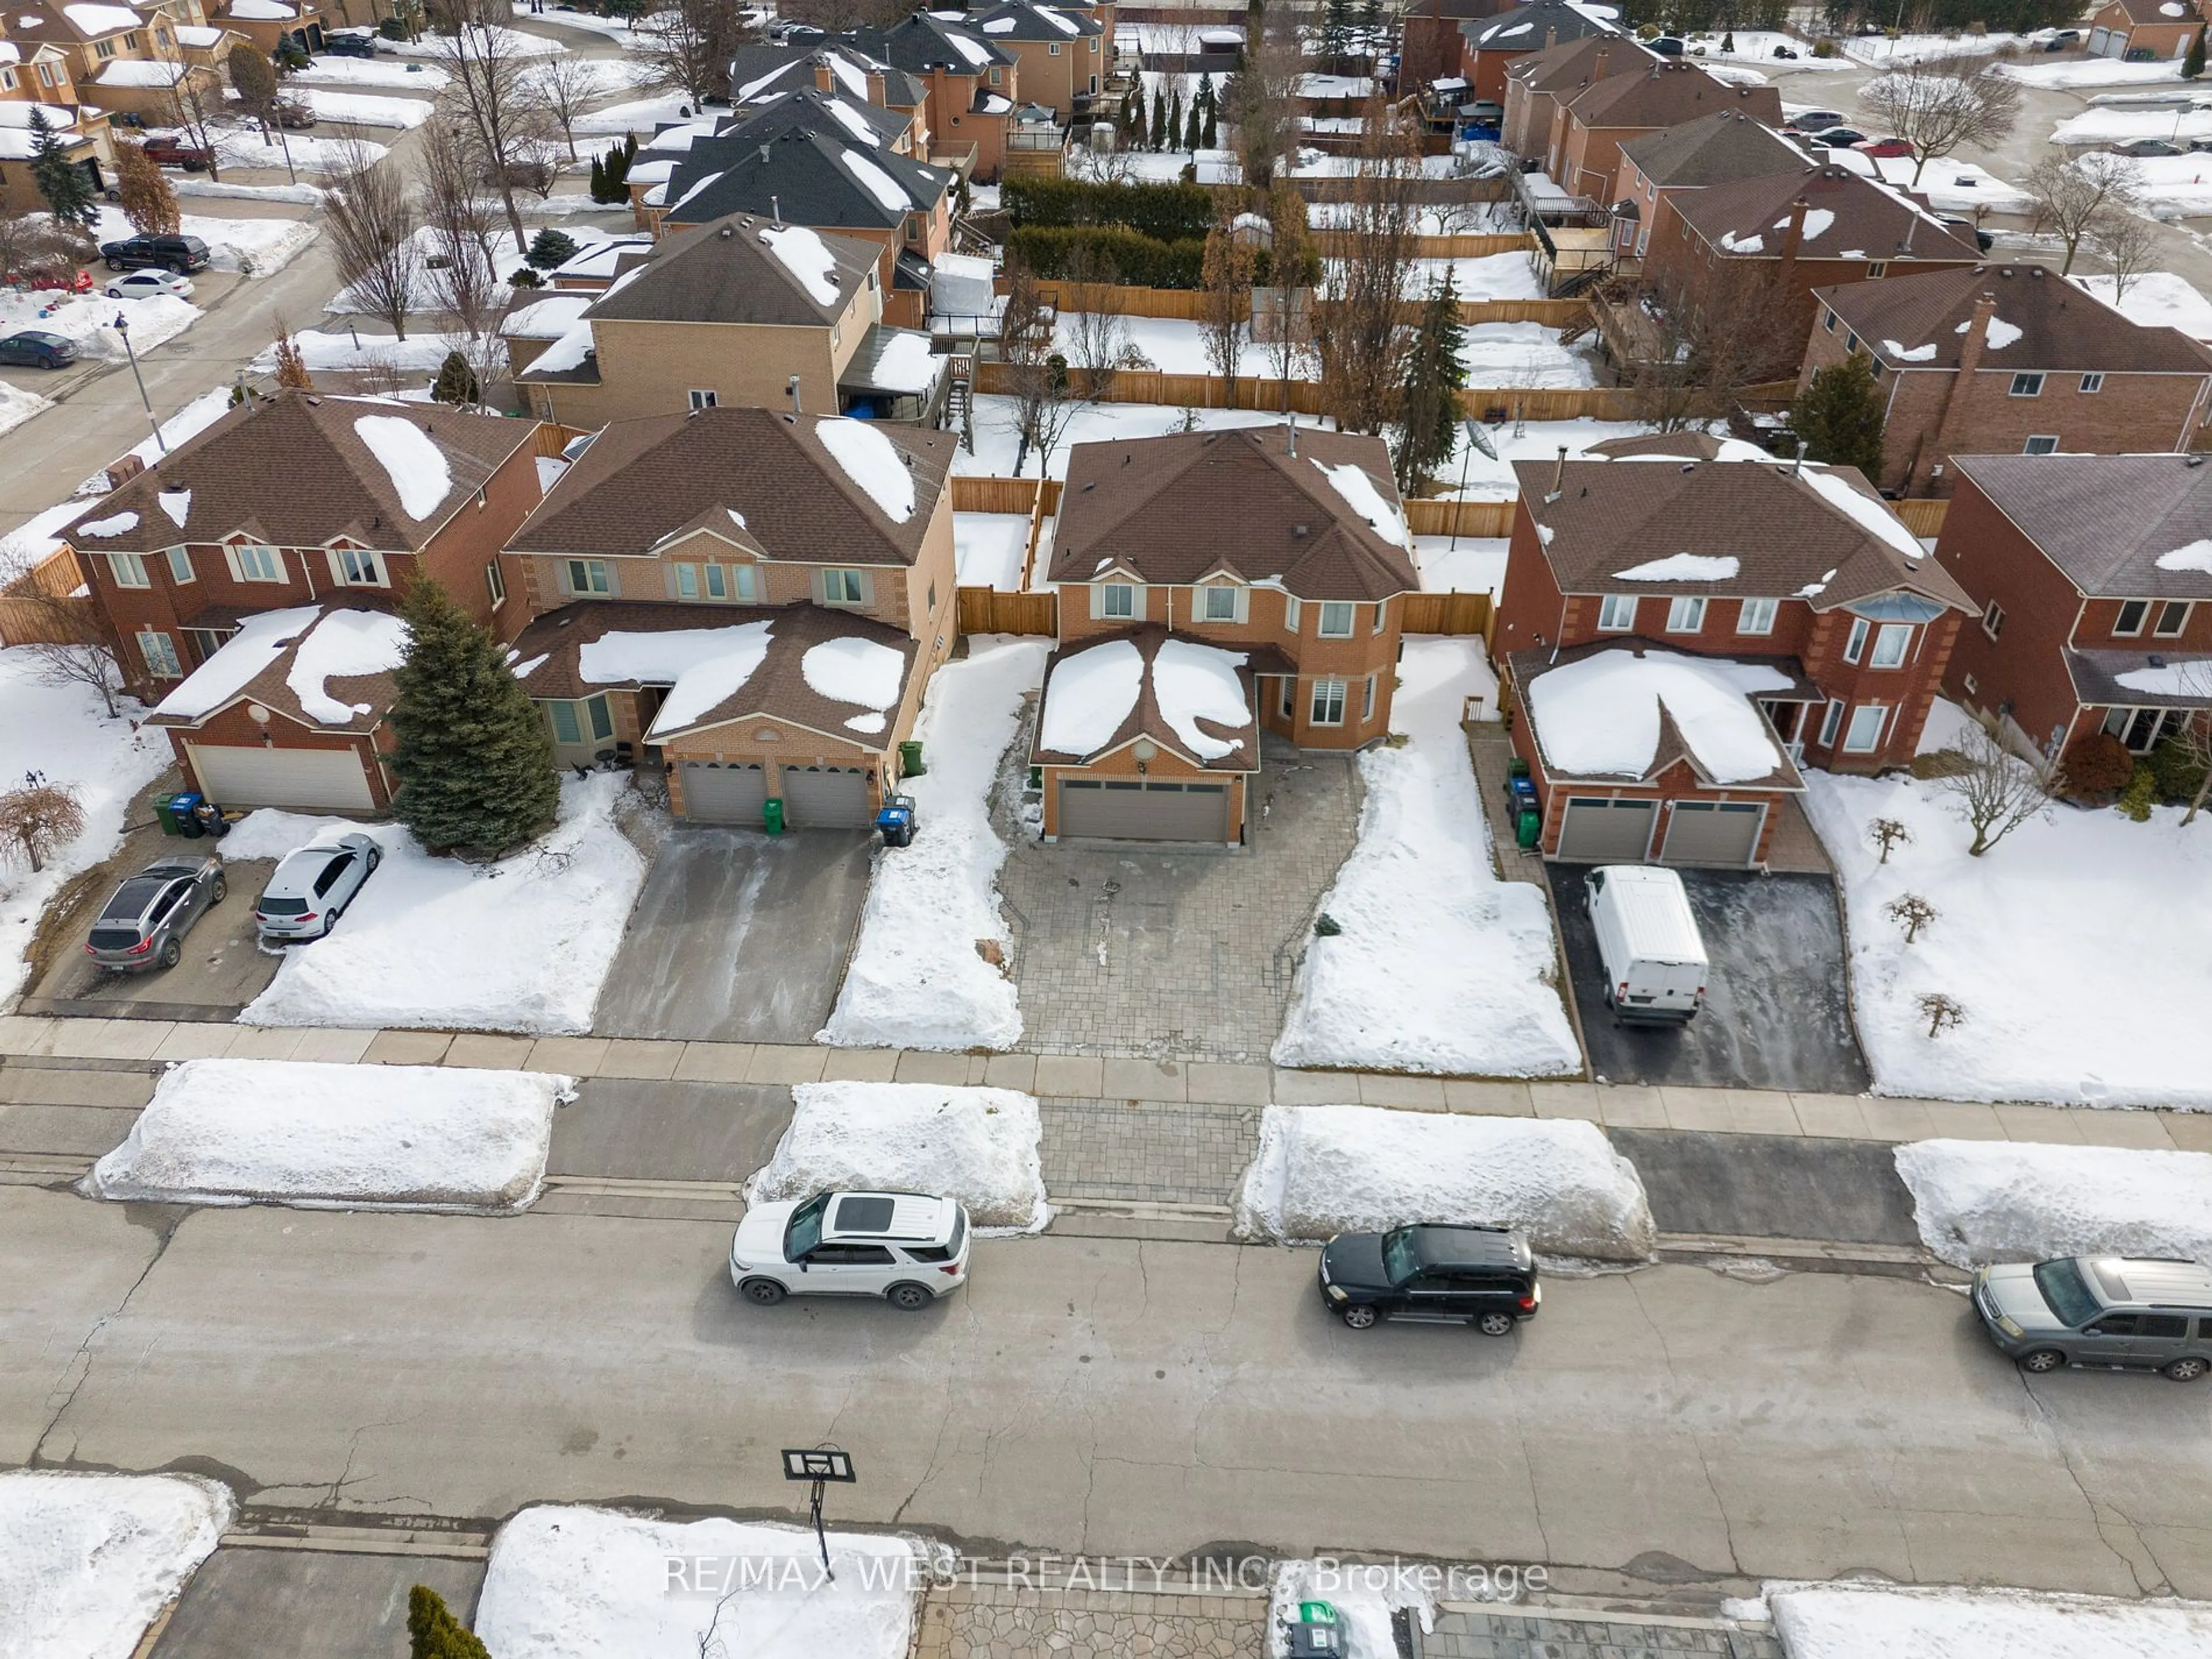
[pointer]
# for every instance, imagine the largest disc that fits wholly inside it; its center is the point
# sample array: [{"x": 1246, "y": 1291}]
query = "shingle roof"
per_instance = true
[
  {"x": 1671, "y": 90},
  {"x": 2146, "y": 12},
  {"x": 808, "y": 109},
  {"x": 1175, "y": 508},
  {"x": 1864, "y": 220},
  {"x": 2106, "y": 521},
  {"x": 1021, "y": 20},
  {"x": 1526, "y": 28},
  {"x": 1145, "y": 718},
  {"x": 2061, "y": 327},
  {"x": 296, "y": 471},
  {"x": 1575, "y": 63},
  {"x": 724, "y": 271},
  {"x": 920, "y": 42},
  {"x": 1788, "y": 538},
  {"x": 366, "y": 699},
  {"x": 808, "y": 178},
  {"x": 1717, "y": 149},
  {"x": 640, "y": 483}
]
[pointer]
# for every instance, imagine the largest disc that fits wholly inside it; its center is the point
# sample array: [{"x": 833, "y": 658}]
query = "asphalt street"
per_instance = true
[{"x": 1104, "y": 1394}]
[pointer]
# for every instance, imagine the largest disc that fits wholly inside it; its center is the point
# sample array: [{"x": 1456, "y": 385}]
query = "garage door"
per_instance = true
[
  {"x": 826, "y": 797},
  {"x": 1146, "y": 812},
  {"x": 330, "y": 780},
  {"x": 2102, "y": 43},
  {"x": 1598, "y": 830},
  {"x": 724, "y": 794},
  {"x": 1713, "y": 832}
]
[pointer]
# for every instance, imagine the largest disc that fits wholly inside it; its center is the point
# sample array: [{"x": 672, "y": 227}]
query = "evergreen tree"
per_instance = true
[
  {"x": 456, "y": 383},
  {"x": 1728, "y": 44},
  {"x": 1335, "y": 28},
  {"x": 1209, "y": 136},
  {"x": 2193, "y": 65},
  {"x": 1134, "y": 125},
  {"x": 550, "y": 248},
  {"x": 1430, "y": 383},
  {"x": 433, "y": 1632},
  {"x": 1838, "y": 417},
  {"x": 475, "y": 759},
  {"x": 1175, "y": 121},
  {"x": 599, "y": 185},
  {"x": 70, "y": 195},
  {"x": 1159, "y": 135},
  {"x": 1194, "y": 130}
]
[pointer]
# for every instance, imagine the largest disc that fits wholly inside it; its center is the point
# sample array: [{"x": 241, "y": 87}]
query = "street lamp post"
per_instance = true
[{"x": 123, "y": 332}]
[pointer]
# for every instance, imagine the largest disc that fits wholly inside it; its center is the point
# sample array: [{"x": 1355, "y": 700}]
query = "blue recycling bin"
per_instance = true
[
  {"x": 895, "y": 820},
  {"x": 1520, "y": 795}
]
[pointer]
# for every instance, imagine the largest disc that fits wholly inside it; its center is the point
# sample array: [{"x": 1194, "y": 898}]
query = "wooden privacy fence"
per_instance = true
[
  {"x": 1428, "y": 518},
  {"x": 1188, "y": 304},
  {"x": 991, "y": 610},
  {"x": 1922, "y": 517},
  {"x": 1336, "y": 244},
  {"x": 997, "y": 495},
  {"x": 1145, "y": 385},
  {"x": 40, "y": 606},
  {"x": 1448, "y": 613}
]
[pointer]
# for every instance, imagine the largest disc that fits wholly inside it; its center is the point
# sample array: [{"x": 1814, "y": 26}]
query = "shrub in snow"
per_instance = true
[
  {"x": 1980, "y": 1201},
  {"x": 978, "y": 1146},
  {"x": 1889, "y": 835},
  {"x": 550, "y": 247},
  {"x": 1940, "y": 1011},
  {"x": 455, "y": 382},
  {"x": 87, "y": 1560},
  {"x": 433, "y": 1632},
  {"x": 36, "y": 820},
  {"x": 2141, "y": 794},
  {"x": 2098, "y": 767},
  {"x": 1912, "y": 913},
  {"x": 1325, "y": 1169}
]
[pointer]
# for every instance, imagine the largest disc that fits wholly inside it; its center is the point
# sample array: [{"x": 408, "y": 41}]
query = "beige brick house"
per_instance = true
[
  {"x": 124, "y": 59},
  {"x": 1064, "y": 54}
]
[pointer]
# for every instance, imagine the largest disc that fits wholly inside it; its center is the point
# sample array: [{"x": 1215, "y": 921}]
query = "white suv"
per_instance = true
[{"x": 906, "y": 1248}]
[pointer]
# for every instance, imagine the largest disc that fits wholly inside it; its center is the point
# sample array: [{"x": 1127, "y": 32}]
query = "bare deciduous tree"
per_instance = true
[
  {"x": 1360, "y": 316},
  {"x": 1912, "y": 913},
  {"x": 1226, "y": 302},
  {"x": 37, "y": 243},
  {"x": 1994, "y": 791},
  {"x": 689, "y": 43},
  {"x": 2126, "y": 241},
  {"x": 1047, "y": 397},
  {"x": 488, "y": 87},
  {"x": 1098, "y": 340},
  {"x": 2070, "y": 196},
  {"x": 1705, "y": 342},
  {"x": 1941, "y": 1011},
  {"x": 1941, "y": 103},
  {"x": 563, "y": 86},
  {"x": 195, "y": 100},
  {"x": 1889, "y": 834},
  {"x": 372, "y": 228},
  {"x": 453, "y": 204},
  {"x": 1261, "y": 100},
  {"x": 37, "y": 821}
]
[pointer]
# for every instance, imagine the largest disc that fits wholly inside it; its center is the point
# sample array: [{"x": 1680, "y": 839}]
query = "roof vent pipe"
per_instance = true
[
  {"x": 793, "y": 389},
  {"x": 1559, "y": 471},
  {"x": 1294, "y": 434},
  {"x": 775, "y": 210}
]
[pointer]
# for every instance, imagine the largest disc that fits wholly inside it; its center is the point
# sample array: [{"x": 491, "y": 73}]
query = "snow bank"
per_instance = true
[
  {"x": 89, "y": 319},
  {"x": 2075, "y": 946},
  {"x": 367, "y": 109},
  {"x": 585, "y": 1584},
  {"x": 87, "y": 1560},
  {"x": 1833, "y": 1621},
  {"x": 337, "y": 1137},
  {"x": 1325, "y": 1169},
  {"x": 519, "y": 946},
  {"x": 1440, "y": 967},
  {"x": 978, "y": 1146},
  {"x": 1980, "y": 1201},
  {"x": 915, "y": 980},
  {"x": 2067, "y": 73}
]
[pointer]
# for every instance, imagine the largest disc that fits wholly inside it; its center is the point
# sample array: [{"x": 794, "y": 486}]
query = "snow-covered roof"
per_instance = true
[
  {"x": 1194, "y": 699},
  {"x": 95, "y": 21},
  {"x": 1607, "y": 713},
  {"x": 288, "y": 659},
  {"x": 133, "y": 72}
]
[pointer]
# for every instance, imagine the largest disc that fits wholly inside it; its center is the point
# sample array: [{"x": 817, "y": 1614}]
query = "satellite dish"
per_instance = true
[{"x": 1478, "y": 439}]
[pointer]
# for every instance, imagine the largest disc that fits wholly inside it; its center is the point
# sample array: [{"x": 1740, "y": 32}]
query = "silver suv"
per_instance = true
[
  {"x": 143, "y": 923},
  {"x": 2120, "y": 1312}
]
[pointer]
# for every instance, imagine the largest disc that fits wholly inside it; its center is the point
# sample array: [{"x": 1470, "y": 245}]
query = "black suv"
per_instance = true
[
  {"x": 336, "y": 45},
  {"x": 1484, "y": 1277},
  {"x": 182, "y": 254}
]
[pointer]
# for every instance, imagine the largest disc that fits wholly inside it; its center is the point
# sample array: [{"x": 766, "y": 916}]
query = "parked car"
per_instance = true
[
  {"x": 311, "y": 888},
  {"x": 1647, "y": 937},
  {"x": 35, "y": 348},
  {"x": 293, "y": 114},
  {"x": 1983, "y": 239},
  {"x": 338, "y": 44},
  {"x": 144, "y": 284},
  {"x": 1484, "y": 1277},
  {"x": 176, "y": 153},
  {"x": 1813, "y": 120},
  {"x": 906, "y": 1248},
  {"x": 2121, "y": 1313},
  {"x": 1667, "y": 45},
  {"x": 144, "y": 923},
  {"x": 1888, "y": 149},
  {"x": 2150, "y": 147},
  {"x": 2062, "y": 38},
  {"x": 182, "y": 254},
  {"x": 1836, "y": 138}
]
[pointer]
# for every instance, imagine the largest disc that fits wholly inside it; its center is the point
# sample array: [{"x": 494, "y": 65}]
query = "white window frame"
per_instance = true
[
  {"x": 180, "y": 566},
  {"x": 744, "y": 583},
  {"x": 597, "y": 579},
  {"x": 346, "y": 560},
  {"x": 1686, "y": 614},
  {"x": 496, "y": 581},
  {"x": 128, "y": 570},
  {"x": 2158, "y": 630},
  {"x": 2027, "y": 383},
  {"x": 2092, "y": 384},
  {"x": 1855, "y": 643},
  {"x": 1610, "y": 616},
  {"x": 2040, "y": 443},
  {"x": 249, "y": 560},
  {"x": 1757, "y": 616},
  {"x": 1993, "y": 619},
  {"x": 1215, "y": 592},
  {"x": 1367, "y": 702},
  {"x": 1106, "y": 595},
  {"x": 1854, "y": 742},
  {"x": 159, "y": 652},
  {"x": 1333, "y": 611},
  {"x": 2120, "y": 630},
  {"x": 1893, "y": 646},
  {"x": 1876, "y": 269},
  {"x": 1326, "y": 704},
  {"x": 845, "y": 586},
  {"x": 703, "y": 398},
  {"x": 1831, "y": 718},
  {"x": 1293, "y": 614},
  {"x": 687, "y": 580}
]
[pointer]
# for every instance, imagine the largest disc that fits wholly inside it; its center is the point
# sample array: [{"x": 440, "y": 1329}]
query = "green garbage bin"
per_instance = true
[
  {"x": 910, "y": 764},
  {"x": 1529, "y": 830},
  {"x": 171, "y": 811},
  {"x": 1517, "y": 768},
  {"x": 772, "y": 815}
]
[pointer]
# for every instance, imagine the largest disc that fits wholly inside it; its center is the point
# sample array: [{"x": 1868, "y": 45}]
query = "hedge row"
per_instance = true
[
  {"x": 1117, "y": 255},
  {"x": 1166, "y": 213}
]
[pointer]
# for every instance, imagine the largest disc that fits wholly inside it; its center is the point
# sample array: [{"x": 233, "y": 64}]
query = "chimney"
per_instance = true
[
  {"x": 1958, "y": 397},
  {"x": 1550, "y": 37},
  {"x": 1598, "y": 68},
  {"x": 1294, "y": 434},
  {"x": 824, "y": 80},
  {"x": 1793, "y": 237},
  {"x": 1559, "y": 475}
]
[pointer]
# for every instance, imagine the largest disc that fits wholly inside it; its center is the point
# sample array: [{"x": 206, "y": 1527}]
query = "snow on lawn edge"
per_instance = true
[
  {"x": 1982, "y": 1202},
  {"x": 87, "y": 1561},
  {"x": 1880, "y": 1621}
]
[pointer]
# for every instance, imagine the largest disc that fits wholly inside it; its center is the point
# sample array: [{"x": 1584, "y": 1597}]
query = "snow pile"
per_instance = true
[
  {"x": 807, "y": 258},
  {"x": 2075, "y": 926},
  {"x": 872, "y": 461},
  {"x": 865, "y": 672},
  {"x": 702, "y": 667},
  {"x": 2159, "y": 299},
  {"x": 1865, "y": 1621},
  {"x": 584, "y": 1583},
  {"x": 1350, "y": 482},
  {"x": 1090, "y": 695},
  {"x": 1683, "y": 567},
  {"x": 2067, "y": 73},
  {"x": 337, "y": 1137},
  {"x": 1364, "y": 1595},
  {"x": 17, "y": 406},
  {"x": 1978, "y": 1201},
  {"x": 87, "y": 1561},
  {"x": 415, "y": 465},
  {"x": 915, "y": 979},
  {"x": 366, "y": 108},
  {"x": 89, "y": 319},
  {"x": 343, "y": 643},
  {"x": 977, "y": 1145},
  {"x": 519, "y": 946},
  {"x": 258, "y": 643},
  {"x": 2191, "y": 555},
  {"x": 367, "y": 72},
  {"x": 1440, "y": 967},
  {"x": 1326, "y": 1170},
  {"x": 1193, "y": 683},
  {"x": 1600, "y": 716}
]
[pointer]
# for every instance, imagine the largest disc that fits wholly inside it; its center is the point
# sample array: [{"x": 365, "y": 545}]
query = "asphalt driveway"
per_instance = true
[
  {"x": 222, "y": 968},
  {"x": 739, "y": 936},
  {"x": 1775, "y": 1014},
  {"x": 244, "y": 1601},
  {"x": 1771, "y": 1186}
]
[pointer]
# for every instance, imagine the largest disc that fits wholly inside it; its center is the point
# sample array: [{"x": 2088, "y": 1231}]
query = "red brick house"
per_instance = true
[
  {"x": 1717, "y": 149},
  {"x": 1589, "y": 129},
  {"x": 1213, "y": 586},
  {"x": 1539, "y": 87},
  {"x": 1686, "y": 622},
  {"x": 2093, "y": 577},
  {"x": 1429, "y": 40},
  {"x": 1488, "y": 48},
  {"x": 1996, "y": 359},
  {"x": 2144, "y": 29}
]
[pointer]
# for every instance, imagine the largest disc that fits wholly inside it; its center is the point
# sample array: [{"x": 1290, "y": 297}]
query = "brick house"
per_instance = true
[
  {"x": 1715, "y": 149},
  {"x": 973, "y": 84},
  {"x": 1997, "y": 359},
  {"x": 1538, "y": 88},
  {"x": 1212, "y": 585},
  {"x": 1063, "y": 53},
  {"x": 2093, "y": 577},
  {"x": 1687, "y": 624},
  {"x": 125, "y": 59},
  {"x": 1490, "y": 46},
  {"x": 755, "y": 600},
  {"x": 292, "y": 505},
  {"x": 269, "y": 24},
  {"x": 35, "y": 75},
  {"x": 1590, "y": 128},
  {"x": 1430, "y": 42},
  {"x": 2143, "y": 29}
]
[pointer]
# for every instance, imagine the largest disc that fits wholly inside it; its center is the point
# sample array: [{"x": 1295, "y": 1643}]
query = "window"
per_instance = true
[
  {"x": 1221, "y": 604},
  {"x": 2044, "y": 443},
  {"x": 7, "y": 80},
  {"x": 1117, "y": 599},
  {"x": 1367, "y": 701},
  {"x": 1993, "y": 619},
  {"x": 206, "y": 642},
  {"x": 2027, "y": 386},
  {"x": 496, "y": 583},
  {"x": 1851, "y": 340},
  {"x": 1828, "y": 321},
  {"x": 1830, "y": 720},
  {"x": 702, "y": 400},
  {"x": 1052, "y": 49},
  {"x": 687, "y": 582},
  {"x": 47, "y": 77},
  {"x": 1756, "y": 615},
  {"x": 2134, "y": 613},
  {"x": 1864, "y": 735},
  {"x": 571, "y": 720},
  {"x": 933, "y": 598},
  {"x": 1855, "y": 646},
  {"x": 2173, "y": 618},
  {"x": 103, "y": 48},
  {"x": 1686, "y": 615},
  {"x": 1380, "y": 607},
  {"x": 132, "y": 40},
  {"x": 1283, "y": 707},
  {"x": 128, "y": 570},
  {"x": 160, "y": 651},
  {"x": 1336, "y": 618},
  {"x": 2091, "y": 383},
  {"x": 1891, "y": 644},
  {"x": 1292, "y": 614},
  {"x": 1616, "y": 613},
  {"x": 1876, "y": 268},
  {"x": 2140, "y": 729},
  {"x": 844, "y": 587},
  {"x": 1328, "y": 702},
  {"x": 257, "y": 564},
  {"x": 994, "y": 77},
  {"x": 588, "y": 576},
  {"x": 180, "y": 564},
  {"x": 744, "y": 582},
  {"x": 357, "y": 566}
]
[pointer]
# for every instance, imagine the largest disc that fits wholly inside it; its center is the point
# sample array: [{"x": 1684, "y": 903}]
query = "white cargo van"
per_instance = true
[{"x": 1647, "y": 940}]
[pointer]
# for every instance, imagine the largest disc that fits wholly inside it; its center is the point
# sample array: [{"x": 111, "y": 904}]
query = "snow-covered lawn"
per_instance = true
[
  {"x": 1475, "y": 565},
  {"x": 431, "y": 291},
  {"x": 415, "y": 76},
  {"x": 2075, "y": 946},
  {"x": 2109, "y": 124},
  {"x": 641, "y": 116},
  {"x": 87, "y": 1560},
  {"x": 989, "y": 549},
  {"x": 1978, "y": 1201},
  {"x": 88, "y": 319},
  {"x": 587, "y": 1584},
  {"x": 367, "y": 109},
  {"x": 345, "y": 348},
  {"x": 1870, "y": 1622},
  {"x": 242, "y": 147},
  {"x": 2159, "y": 299},
  {"x": 1950, "y": 186},
  {"x": 2067, "y": 73},
  {"x": 1880, "y": 49},
  {"x": 271, "y": 243},
  {"x": 1327, "y": 1169},
  {"x": 511, "y": 43},
  {"x": 997, "y": 432},
  {"x": 916, "y": 980},
  {"x": 1440, "y": 966},
  {"x": 1492, "y": 277},
  {"x": 337, "y": 1137},
  {"x": 978, "y": 1146},
  {"x": 2172, "y": 187},
  {"x": 1522, "y": 355},
  {"x": 519, "y": 946}
]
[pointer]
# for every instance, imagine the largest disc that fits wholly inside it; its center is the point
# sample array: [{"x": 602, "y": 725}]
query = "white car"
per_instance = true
[
  {"x": 906, "y": 1247},
  {"x": 145, "y": 284}
]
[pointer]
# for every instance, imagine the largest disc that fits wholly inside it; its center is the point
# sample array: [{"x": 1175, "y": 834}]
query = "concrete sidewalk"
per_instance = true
[{"x": 1091, "y": 1077}]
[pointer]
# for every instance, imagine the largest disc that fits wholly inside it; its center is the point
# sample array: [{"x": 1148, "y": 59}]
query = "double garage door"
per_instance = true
[
  {"x": 1143, "y": 811},
  {"x": 1599, "y": 830},
  {"x": 814, "y": 797},
  {"x": 326, "y": 779}
]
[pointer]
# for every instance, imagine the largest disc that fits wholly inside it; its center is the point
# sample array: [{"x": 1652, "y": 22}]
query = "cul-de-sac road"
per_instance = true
[{"x": 1087, "y": 1393}]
